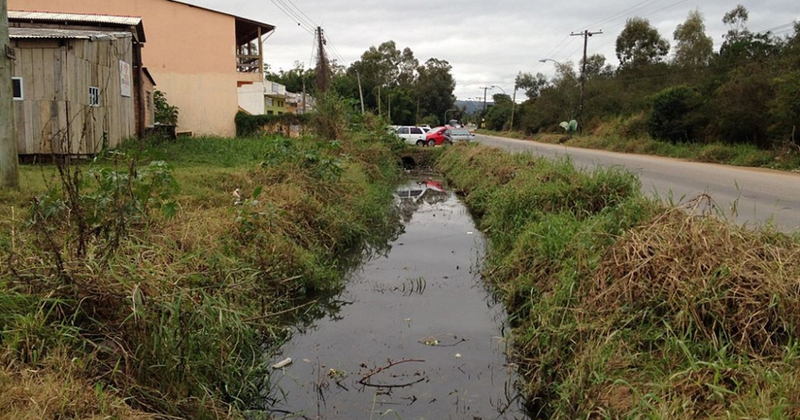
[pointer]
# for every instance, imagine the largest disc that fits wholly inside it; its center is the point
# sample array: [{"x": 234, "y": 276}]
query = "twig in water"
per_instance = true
[{"x": 365, "y": 379}]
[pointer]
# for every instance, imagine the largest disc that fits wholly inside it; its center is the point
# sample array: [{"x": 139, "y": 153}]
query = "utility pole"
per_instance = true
[
  {"x": 360, "y": 92},
  {"x": 585, "y": 34},
  {"x": 513, "y": 105},
  {"x": 323, "y": 72},
  {"x": 380, "y": 112},
  {"x": 9, "y": 161},
  {"x": 484, "y": 97}
]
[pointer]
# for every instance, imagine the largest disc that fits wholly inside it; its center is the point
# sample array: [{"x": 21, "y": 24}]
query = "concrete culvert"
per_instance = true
[{"x": 409, "y": 162}]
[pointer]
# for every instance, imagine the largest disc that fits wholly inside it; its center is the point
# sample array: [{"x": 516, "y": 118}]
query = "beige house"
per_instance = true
[{"x": 198, "y": 56}]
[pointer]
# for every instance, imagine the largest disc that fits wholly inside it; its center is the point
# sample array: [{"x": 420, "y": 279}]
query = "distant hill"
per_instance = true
[{"x": 473, "y": 106}]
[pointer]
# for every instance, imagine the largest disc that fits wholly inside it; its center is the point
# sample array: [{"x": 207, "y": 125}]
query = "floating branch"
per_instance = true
[{"x": 365, "y": 379}]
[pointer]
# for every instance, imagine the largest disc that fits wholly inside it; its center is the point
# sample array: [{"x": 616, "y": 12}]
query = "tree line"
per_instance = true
[
  {"x": 393, "y": 83},
  {"x": 746, "y": 92}
]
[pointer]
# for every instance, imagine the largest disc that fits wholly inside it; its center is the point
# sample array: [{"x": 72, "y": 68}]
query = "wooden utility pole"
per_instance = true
[
  {"x": 360, "y": 92},
  {"x": 513, "y": 105},
  {"x": 585, "y": 34},
  {"x": 323, "y": 70},
  {"x": 9, "y": 161}
]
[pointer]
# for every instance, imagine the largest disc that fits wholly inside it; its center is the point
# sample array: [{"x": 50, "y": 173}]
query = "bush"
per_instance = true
[
  {"x": 256, "y": 125},
  {"x": 165, "y": 113},
  {"x": 674, "y": 116}
]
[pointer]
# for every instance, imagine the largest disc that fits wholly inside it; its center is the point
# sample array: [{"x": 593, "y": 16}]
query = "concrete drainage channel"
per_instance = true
[{"x": 419, "y": 336}]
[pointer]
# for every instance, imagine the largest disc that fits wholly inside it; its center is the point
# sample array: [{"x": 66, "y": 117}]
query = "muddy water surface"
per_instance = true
[{"x": 418, "y": 337}]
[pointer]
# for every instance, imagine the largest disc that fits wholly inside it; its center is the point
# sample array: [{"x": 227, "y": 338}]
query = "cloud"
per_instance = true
[{"x": 487, "y": 43}]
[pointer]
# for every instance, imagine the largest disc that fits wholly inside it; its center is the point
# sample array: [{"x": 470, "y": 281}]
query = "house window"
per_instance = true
[
  {"x": 17, "y": 87},
  {"x": 94, "y": 96}
]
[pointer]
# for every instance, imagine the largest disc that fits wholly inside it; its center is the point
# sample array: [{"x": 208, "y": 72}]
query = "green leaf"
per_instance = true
[{"x": 257, "y": 191}]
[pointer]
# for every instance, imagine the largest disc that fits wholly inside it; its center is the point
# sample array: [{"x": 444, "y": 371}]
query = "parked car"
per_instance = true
[
  {"x": 437, "y": 137},
  {"x": 461, "y": 134},
  {"x": 411, "y": 134}
]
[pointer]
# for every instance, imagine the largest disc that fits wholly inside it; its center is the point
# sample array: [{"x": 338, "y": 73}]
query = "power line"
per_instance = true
[
  {"x": 333, "y": 49},
  {"x": 306, "y": 16},
  {"x": 296, "y": 15},
  {"x": 280, "y": 7},
  {"x": 636, "y": 7}
]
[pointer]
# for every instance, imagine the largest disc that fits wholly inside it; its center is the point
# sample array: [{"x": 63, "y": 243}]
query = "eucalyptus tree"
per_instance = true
[
  {"x": 640, "y": 44},
  {"x": 692, "y": 46}
]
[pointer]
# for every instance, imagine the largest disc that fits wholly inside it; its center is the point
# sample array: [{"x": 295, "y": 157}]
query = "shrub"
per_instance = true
[
  {"x": 165, "y": 113},
  {"x": 256, "y": 125},
  {"x": 674, "y": 116}
]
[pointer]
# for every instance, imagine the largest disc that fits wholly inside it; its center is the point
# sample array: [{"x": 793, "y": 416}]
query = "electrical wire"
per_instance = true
[
  {"x": 301, "y": 12},
  {"x": 281, "y": 6},
  {"x": 639, "y": 6},
  {"x": 297, "y": 17}
]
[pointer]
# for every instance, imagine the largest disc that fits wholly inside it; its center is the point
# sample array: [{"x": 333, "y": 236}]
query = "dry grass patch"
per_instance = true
[
  {"x": 57, "y": 390},
  {"x": 705, "y": 278}
]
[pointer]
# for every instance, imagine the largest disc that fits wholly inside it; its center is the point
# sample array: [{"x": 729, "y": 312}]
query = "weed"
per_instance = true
[
  {"x": 624, "y": 308},
  {"x": 168, "y": 300}
]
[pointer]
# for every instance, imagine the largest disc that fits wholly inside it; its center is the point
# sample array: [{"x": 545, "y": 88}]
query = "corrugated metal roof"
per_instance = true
[
  {"x": 74, "y": 17},
  {"x": 42, "y": 33}
]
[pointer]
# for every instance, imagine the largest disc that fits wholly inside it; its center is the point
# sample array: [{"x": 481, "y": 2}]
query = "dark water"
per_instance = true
[{"x": 418, "y": 337}]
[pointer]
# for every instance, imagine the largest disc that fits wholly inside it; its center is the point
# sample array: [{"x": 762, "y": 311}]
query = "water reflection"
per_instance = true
[{"x": 415, "y": 335}]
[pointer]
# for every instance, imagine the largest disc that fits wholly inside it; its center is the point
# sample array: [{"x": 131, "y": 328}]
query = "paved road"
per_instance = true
[{"x": 758, "y": 194}]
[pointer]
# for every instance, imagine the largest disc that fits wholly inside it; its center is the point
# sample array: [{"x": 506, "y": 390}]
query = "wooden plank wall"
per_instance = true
[{"x": 55, "y": 115}]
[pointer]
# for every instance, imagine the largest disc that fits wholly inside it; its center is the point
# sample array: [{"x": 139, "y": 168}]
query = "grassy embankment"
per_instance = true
[
  {"x": 626, "y": 136},
  {"x": 625, "y": 308},
  {"x": 139, "y": 290}
]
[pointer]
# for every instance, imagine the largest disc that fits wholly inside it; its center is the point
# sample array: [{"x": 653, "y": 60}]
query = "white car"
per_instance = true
[{"x": 411, "y": 134}]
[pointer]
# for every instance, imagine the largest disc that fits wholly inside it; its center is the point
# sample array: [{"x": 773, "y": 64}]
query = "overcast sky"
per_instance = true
[{"x": 486, "y": 42}]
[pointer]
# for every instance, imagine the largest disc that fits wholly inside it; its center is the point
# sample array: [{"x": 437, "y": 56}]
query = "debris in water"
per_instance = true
[
  {"x": 458, "y": 355},
  {"x": 283, "y": 363}
]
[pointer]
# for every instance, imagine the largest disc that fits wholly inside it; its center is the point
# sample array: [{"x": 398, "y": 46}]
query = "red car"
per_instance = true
[{"x": 437, "y": 137}]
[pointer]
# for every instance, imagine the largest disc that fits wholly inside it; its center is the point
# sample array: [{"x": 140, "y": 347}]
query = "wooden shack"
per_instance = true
[{"x": 74, "y": 87}]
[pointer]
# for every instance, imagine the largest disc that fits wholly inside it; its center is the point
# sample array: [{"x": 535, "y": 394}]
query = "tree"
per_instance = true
[
  {"x": 740, "y": 44},
  {"x": 383, "y": 69},
  {"x": 640, "y": 44},
  {"x": 692, "y": 46},
  {"x": 498, "y": 114},
  {"x": 294, "y": 79},
  {"x": 435, "y": 87},
  {"x": 736, "y": 20},
  {"x": 530, "y": 84},
  {"x": 741, "y": 107},
  {"x": 596, "y": 66}
]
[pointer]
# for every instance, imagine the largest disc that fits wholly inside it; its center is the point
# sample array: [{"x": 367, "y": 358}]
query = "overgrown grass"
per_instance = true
[
  {"x": 612, "y": 136},
  {"x": 623, "y": 308},
  {"x": 125, "y": 297}
]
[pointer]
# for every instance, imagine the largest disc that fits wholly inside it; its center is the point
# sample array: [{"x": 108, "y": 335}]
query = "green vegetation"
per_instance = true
[
  {"x": 743, "y": 94},
  {"x": 624, "y": 308},
  {"x": 139, "y": 286},
  {"x": 258, "y": 125},
  {"x": 164, "y": 113},
  {"x": 786, "y": 157},
  {"x": 395, "y": 85}
]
